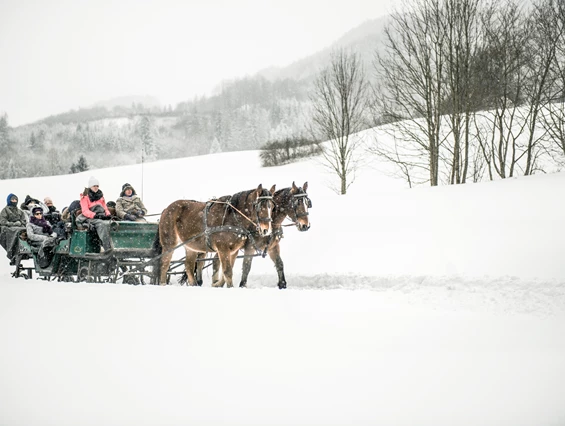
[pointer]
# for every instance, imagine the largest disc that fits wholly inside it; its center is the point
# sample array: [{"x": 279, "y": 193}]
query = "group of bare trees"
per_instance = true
[{"x": 466, "y": 88}]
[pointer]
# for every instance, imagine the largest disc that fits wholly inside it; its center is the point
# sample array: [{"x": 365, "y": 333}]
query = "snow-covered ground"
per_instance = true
[{"x": 429, "y": 306}]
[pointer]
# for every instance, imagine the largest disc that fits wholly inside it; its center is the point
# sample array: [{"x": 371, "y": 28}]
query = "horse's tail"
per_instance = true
[
  {"x": 157, "y": 251},
  {"x": 157, "y": 247}
]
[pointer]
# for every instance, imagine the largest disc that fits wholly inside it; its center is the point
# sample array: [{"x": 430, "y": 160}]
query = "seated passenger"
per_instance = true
[
  {"x": 129, "y": 206},
  {"x": 71, "y": 211},
  {"x": 65, "y": 215},
  {"x": 95, "y": 214},
  {"x": 112, "y": 209},
  {"x": 40, "y": 234},
  {"x": 12, "y": 226},
  {"x": 52, "y": 216},
  {"x": 11, "y": 216},
  {"x": 29, "y": 203}
]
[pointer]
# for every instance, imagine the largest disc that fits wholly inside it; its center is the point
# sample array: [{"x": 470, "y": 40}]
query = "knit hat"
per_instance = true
[
  {"x": 92, "y": 182},
  {"x": 10, "y": 199},
  {"x": 126, "y": 186},
  {"x": 36, "y": 209},
  {"x": 48, "y": 200}
]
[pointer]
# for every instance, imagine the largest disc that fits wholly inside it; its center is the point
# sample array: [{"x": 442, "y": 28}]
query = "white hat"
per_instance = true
[{"x": 92, "y": 181}]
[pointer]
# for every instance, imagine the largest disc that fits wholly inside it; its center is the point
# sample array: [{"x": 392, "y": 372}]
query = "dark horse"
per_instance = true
[
  {"x": 221, "y": 225},
  {"x": 290, "y": 202}
]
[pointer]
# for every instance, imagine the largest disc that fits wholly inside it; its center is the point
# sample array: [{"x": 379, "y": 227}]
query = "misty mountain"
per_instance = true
[
  {"x": 127, "y": 101},
  {"x": 364, "y": 40},
  {"x": 248, "y": 113}
]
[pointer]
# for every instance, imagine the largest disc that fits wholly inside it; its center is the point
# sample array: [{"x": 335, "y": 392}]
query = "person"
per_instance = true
[
  {"x": 129, "y": 206},
  {"x": 40, "y": 233},
  {"x": 95, "y": 213},
  {"x": 11, "y": 216},
  {"x": 28, "y": 204},
  {"x": 53, "y": 216},
  {"x": 73, "y": 210},
  {"x": 12, "y": 227},
  {"x": 112, "y": 209}
]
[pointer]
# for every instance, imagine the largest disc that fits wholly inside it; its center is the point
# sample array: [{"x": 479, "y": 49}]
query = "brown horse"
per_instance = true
[
  {"x": 221, "y": 225},
  {"x": 290, "y": 202}
]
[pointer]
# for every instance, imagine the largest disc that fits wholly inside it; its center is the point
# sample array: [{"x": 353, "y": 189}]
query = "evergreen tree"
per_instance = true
[
  {"x": 80, "y": 166},
  {"x": 32, "y": 141},
  {"x": 4, "y": 132},
  {"x": 145, "y": 130}
]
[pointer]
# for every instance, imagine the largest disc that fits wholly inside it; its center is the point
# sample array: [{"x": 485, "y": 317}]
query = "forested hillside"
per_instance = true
[
  {"x": 243, "y": 114},
  {"x": 246, "y": 114}
]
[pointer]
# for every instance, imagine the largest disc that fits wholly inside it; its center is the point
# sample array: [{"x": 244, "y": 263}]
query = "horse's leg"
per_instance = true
[
  {"x": 189, "y": 265},
  {"x": 227, "y": 271},
  {"x": 247, "y": 261},
  {"x": 275, "y": 255},
  {"x": 217, "y": 278},
  {"x": 198, "y": 268},
  {"x": 165, "y": 262}
]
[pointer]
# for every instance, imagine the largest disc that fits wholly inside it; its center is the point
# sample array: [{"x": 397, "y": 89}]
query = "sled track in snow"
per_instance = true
[{"x": 499, "y": 294}]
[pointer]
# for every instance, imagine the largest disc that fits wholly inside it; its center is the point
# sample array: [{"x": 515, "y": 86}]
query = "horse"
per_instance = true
[
  {"x": 220, "y": 225},
  {"x": 292, "y": 202}
]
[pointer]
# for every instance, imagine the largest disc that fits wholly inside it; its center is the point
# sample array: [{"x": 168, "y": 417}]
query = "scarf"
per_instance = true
[
  {"x": 94, "y": 196},
  {"x": 45, "y": 227}
]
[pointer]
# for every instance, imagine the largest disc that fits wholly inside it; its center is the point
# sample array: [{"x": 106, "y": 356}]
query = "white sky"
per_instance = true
[
  {"x": 63, "y": 54},
  {"x": 426, "y": 307}
]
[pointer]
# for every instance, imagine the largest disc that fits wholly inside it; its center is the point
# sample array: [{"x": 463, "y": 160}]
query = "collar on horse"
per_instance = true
[{"x": 239, "y": 229}]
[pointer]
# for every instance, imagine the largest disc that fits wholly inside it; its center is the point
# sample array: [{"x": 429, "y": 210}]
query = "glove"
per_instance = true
[
  {"x": 106, "y": 217},
  {"x": 54, "y": 234},
  {"x": 100, "y": 216},
  {"x": 130, "y": 217},
  {"x": 140, "y": 213}
]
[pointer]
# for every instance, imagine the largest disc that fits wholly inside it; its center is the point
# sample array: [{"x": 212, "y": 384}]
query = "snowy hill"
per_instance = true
[{"x": 426, "y": 306}]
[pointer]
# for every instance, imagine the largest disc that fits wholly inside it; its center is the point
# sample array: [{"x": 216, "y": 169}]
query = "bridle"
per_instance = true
[
  {"x": 299, "y": 198},
  {"x": 258, "y": 206}
]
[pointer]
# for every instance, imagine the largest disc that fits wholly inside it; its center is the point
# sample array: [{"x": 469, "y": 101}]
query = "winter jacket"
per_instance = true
[
  {"x": 90, "y": 200},
  {"x": 12, "y": 216},
  {"x": 125, "y": 205},
  {"x": 35, "y": 233}
]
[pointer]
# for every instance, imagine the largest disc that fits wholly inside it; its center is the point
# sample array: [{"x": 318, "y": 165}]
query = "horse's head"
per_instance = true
[
  {"x": 299, "y": 205},
  {"x": 262, "y": 205}
]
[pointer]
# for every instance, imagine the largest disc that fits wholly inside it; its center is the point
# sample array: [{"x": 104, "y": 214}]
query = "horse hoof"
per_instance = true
[
  {"x": 242, "y": 285},
  {"x": 282, "y": 286}
]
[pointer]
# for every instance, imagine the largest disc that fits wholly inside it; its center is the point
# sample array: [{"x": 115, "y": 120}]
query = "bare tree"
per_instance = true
[
  {"x": 339, "y": 101},
  {"x": 501, "y": 67},
  {"x": 553, "y": 117},
  {"x": 462, "y": 44},
  {"x": 411, "y": 90},
  {"x": 547, "y": 31}
]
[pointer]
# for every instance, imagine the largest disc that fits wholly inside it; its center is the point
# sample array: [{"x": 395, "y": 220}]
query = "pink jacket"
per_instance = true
[{"x": 86, "y": 205}]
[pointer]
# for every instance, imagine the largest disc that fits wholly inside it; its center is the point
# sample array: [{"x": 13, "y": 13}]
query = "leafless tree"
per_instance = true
[
  {"x": 547, "y": 31},
  {"x": 411, "y": 90},
  {"x": 553, "y": 117},
  {"x": 461, "y": 47},
  {"x": 501, "y": 67},
  {"x": 339, "y": 101}
]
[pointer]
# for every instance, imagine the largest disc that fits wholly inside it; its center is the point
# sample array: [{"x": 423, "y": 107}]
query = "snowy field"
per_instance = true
[{"x": 429, "y": 306}]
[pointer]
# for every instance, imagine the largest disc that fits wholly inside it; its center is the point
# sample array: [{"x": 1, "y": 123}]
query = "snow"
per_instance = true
[{"x": 425, "y": 306}]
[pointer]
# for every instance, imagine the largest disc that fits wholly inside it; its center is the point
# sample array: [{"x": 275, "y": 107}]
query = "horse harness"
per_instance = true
[{"x": 240, "y": 230}]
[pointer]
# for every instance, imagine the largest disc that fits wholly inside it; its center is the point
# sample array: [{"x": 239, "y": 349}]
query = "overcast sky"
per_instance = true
[{"x": 63, "y": 54}]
